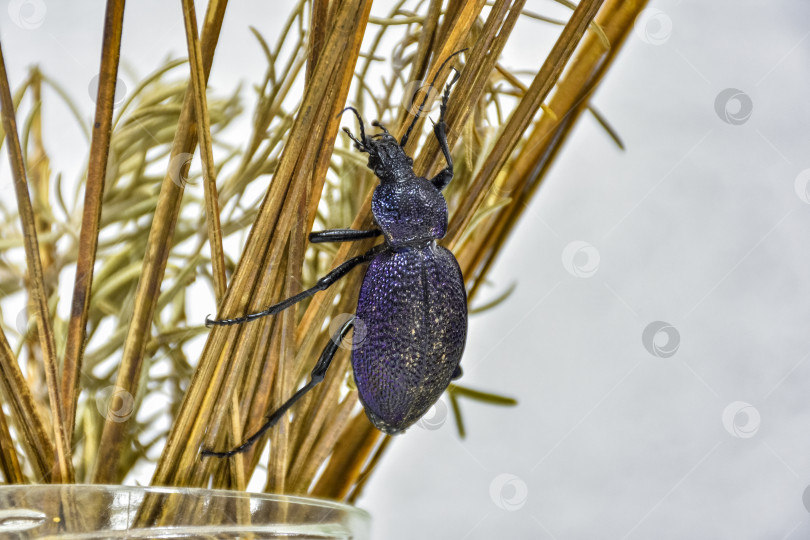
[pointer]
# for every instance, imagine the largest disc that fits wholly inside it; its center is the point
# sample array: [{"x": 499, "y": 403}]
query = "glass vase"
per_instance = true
[{"x": 73, "y": 511}]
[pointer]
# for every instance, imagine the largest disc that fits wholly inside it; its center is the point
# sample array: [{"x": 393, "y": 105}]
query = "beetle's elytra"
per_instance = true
[
  {"x": 412, "y": 299},
  {"x": 415, "y": 309}
]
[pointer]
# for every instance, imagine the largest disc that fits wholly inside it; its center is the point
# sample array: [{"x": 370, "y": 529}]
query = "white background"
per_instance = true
[{"x": 700, "y": 224}]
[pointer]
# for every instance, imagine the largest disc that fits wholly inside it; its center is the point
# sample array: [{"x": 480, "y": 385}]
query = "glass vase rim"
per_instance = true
[{"x": 299, "y": 499}]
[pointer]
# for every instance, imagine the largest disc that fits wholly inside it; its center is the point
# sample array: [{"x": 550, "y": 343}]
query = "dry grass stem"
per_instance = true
[
  {"x": 206, "y": 147},
  {"x": 521, "y": 117},
  {"x": 9, "y": 462},
  {"x": 545, "y": 140},
  {"x": 34, "y": 437},
  {"x": 154, "y": 262},
  {"x": 91, "y": 215},
  {"x": 63, "y": 468}
]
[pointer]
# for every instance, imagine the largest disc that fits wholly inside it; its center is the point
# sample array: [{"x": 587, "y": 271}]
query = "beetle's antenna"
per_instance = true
[
  {"x": 404, "y": 139},
  {"x": 376, "y": 123},
  {"x": 361, "y": 144}
]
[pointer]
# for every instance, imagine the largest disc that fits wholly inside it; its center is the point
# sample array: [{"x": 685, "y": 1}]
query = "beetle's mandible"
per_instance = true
[{"x": 412, "y": 300}]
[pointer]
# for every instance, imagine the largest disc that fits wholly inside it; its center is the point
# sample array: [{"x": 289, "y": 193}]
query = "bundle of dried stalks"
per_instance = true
[{"x": 504, "y": 134}]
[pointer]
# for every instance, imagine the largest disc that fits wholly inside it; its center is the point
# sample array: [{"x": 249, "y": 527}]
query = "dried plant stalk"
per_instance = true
[
  {"x": 366, "y": 474},
  {"x": 206, "y": 147},
  {"x": 63, "y": 468},
  {"x": 91, "y": 216},
  {"x": 454, "y": 41},
  {"x": 38, "y": 178},
  {"x": 549, "y": 133},
  {"x": 154, "y": 263},
  {"x": 295, "y": 166},
  {"x": 521, "y": 117},
  {"x": 472, "y": 82},
  {"x": 344, "y": 467},
  {"x": 34, "y": 436},
  {"x": 9, "y": 463}
]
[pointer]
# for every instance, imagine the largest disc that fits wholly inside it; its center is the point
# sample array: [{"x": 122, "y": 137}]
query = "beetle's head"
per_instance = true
[{"x": 385, "y": 155}]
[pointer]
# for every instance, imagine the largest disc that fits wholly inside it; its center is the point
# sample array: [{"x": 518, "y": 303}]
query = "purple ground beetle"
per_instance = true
[{"x": 412, "y": 299}]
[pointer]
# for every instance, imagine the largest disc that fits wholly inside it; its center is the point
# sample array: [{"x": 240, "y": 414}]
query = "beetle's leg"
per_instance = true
[
  {"x": 457, "y": 373},
  {"x": 317, "y": 375},
  {"x": 322, "y": 284},
  {"x": 403, "y": 141},
  {"x": 342, "y": 235},
  {"x": 445, "y": 175}
]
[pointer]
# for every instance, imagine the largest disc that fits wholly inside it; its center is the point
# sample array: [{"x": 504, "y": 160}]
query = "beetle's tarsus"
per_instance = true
[
  {"x": 440, "y": 131},
  {"x": 404, "y": 139}
]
